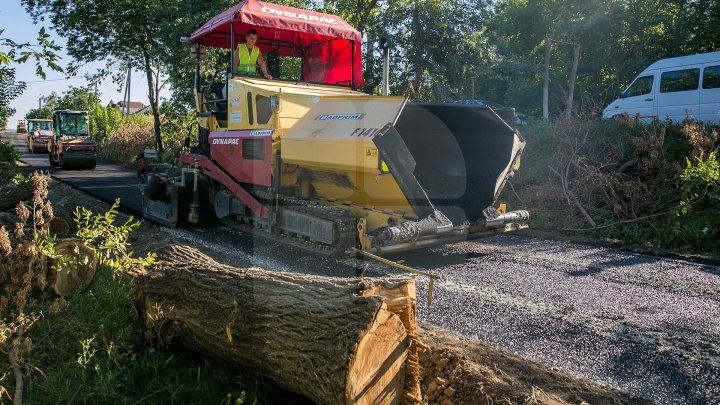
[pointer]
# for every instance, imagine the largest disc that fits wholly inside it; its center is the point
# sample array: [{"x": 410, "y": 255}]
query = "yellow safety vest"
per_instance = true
[{"x": 247, "y": 60}]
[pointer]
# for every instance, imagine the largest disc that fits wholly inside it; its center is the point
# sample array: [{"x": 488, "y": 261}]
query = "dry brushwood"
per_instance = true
[{"x": 332, "y": 340}]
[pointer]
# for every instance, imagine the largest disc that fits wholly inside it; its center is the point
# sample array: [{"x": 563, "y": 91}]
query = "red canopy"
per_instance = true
[{"x": 329, "y": 46}]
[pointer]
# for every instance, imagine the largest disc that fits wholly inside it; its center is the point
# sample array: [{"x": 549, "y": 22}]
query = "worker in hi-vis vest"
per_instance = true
[{"x": 248, "y": 56}]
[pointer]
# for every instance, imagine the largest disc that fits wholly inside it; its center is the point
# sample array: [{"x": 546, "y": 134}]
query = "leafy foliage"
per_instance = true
[
  {"x": 42, "y": 52},
  {"x": 617, "y": 39},
  {"x": 8, "y": 153},
  {"x": 127, "y": 37},
  {"x": 696, "y": 221},
  {"x": 9, "y": 89},
  {"x": 108, "y": 240}
]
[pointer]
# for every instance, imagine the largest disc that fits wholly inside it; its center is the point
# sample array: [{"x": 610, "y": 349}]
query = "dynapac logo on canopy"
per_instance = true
[{"x": 299, "y": 16}]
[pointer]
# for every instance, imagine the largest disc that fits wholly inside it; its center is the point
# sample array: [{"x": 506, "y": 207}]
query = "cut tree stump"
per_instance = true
[
  {"x": 59, "y": 227},
  {"x": 333, "y": 340},
  {"x": 75, "y": 277}
]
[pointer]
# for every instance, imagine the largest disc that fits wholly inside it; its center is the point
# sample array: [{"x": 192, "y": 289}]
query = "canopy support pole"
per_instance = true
[
  {"x": 232, "y": 49},
  {"x": 352, "y": 66}
]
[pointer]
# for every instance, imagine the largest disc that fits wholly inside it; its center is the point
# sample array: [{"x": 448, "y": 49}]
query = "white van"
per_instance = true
[{"x": 675, "y": 89}]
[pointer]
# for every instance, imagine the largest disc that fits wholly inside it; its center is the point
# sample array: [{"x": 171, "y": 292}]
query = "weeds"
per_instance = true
[{"x": 108, "y": 240}]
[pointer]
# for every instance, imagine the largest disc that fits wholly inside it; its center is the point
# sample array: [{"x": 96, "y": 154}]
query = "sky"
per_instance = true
[{"x": 19, "y": 27}]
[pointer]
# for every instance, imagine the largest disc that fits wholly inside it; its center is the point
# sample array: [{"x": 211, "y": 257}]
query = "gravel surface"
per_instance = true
[{"x": 645, "y": 325}]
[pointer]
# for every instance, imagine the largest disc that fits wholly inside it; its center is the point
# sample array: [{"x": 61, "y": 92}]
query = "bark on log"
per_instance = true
[
  {"x": 10, "y": 197},
  {"x": 332, "y": 340}
]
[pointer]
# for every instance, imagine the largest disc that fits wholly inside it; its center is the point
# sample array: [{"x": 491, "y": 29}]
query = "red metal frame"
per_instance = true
[
  {"x": 226, "y": 150},
  {"x": 330, "y": 48},
  {"x": 212, "y": 170}
]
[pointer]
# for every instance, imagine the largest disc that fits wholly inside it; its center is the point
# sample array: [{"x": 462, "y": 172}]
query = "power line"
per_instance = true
[{"x": 52, "y": 80}]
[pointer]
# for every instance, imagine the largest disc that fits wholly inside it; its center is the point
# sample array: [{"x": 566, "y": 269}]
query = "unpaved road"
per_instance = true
[{"x": 646, "y": 325}]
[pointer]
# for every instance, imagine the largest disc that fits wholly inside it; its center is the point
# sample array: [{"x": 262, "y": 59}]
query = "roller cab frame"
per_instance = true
[{"x": 71, "y": 146}]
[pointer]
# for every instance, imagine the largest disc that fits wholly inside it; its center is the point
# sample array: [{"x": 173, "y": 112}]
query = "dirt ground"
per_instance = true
[{"x": 455, "y": 370}]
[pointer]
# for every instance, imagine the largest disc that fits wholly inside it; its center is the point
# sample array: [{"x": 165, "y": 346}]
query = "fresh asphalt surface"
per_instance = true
[
  {"x": 107, "y": 181},
  {"x": 647, "y": 325}
]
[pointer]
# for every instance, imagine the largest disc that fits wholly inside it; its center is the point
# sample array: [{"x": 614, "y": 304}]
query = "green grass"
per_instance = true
[{"x": 90, "y": 349}]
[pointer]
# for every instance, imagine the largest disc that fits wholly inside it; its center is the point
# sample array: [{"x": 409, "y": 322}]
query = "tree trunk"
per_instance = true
[
  {"x": 333, "y": 340},
  {"x": 9, "y": 198},
  {"x": 153, "y": 101}
]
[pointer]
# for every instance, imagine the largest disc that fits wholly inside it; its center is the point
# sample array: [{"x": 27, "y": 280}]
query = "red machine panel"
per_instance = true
[{"x": 244, "y": 155}]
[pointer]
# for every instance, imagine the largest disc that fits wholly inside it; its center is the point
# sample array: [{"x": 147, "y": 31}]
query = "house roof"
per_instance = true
[{"x": 133, "y": 104}]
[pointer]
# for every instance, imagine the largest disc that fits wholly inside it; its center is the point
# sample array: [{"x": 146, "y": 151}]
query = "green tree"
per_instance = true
[
  {"x": 78, "y": 98},
  {"x": 435, "y": 46},
  {"x": 104, "y": 120},
  {"x": 45, "y": 112},
  {"x": 124, "y": 33},
  {"x": 9, "y": 89},
  {"x": 618, "y": 39},
  {"x": 43, "y": 53}
]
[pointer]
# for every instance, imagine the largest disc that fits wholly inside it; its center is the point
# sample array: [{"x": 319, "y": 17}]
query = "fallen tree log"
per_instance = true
[
  {"x": 333, "y": 340},
  {"x": 11, "y": 196}
]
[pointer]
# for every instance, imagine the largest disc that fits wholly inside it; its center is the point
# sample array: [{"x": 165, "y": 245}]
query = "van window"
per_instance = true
[
  {"x": 711, "y": 77},
  {"x": 643, "y": 85},
  {"x": 679, "y": 80}
]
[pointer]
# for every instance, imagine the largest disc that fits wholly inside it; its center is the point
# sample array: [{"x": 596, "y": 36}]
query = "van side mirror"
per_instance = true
[{"x": 621, "y": 94}]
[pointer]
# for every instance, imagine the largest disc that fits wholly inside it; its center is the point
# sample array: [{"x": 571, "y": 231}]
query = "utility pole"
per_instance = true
[
  {"x": 127, "y": 105},
  {"x": 126, "y": 95},
  {"x": 546, "y": 80}
]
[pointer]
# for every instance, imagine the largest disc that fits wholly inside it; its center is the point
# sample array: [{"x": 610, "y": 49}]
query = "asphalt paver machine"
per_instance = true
[{"x": 308, "y": 160}]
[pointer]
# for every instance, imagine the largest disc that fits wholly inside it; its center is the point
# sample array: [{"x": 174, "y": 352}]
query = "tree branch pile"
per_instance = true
[
  {"x": 332, "y": 340},
  {"x": 610, "y": 174}
]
